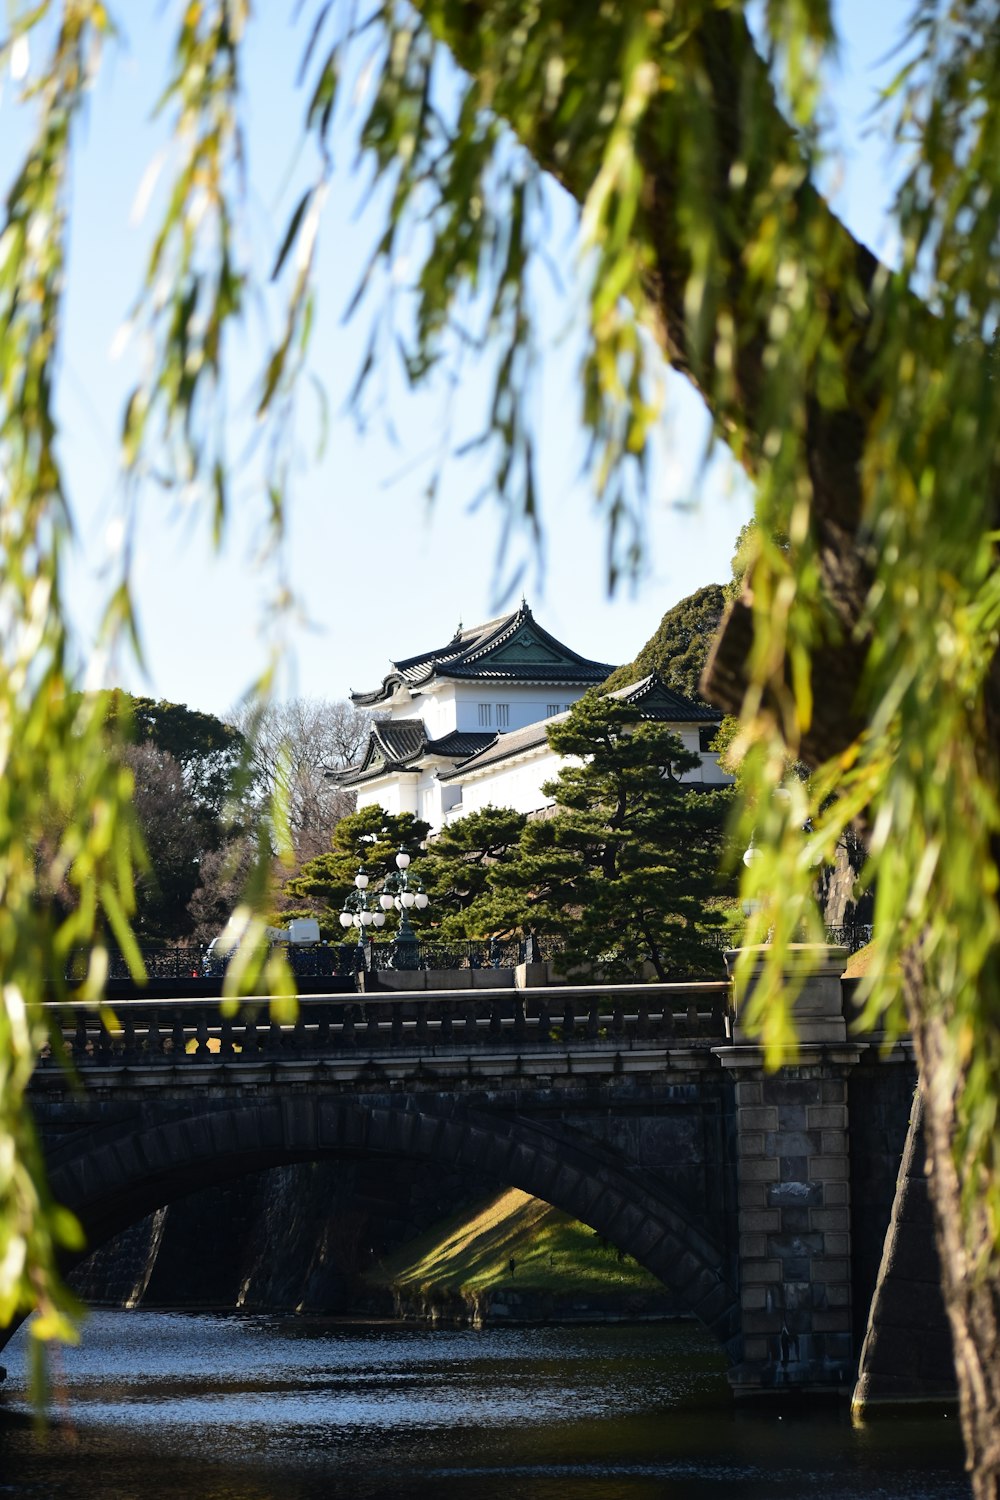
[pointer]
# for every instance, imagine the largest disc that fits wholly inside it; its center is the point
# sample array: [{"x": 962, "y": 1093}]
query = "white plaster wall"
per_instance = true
[
  {"x": 429, "y": 806},
  {"x": 394, "y": 796},
  {"x": 400, "y": 705},
  {"x": 377, "y": 795},
  {"x": 514, "y": 784},
  {"x": 437, "y": 709},
  {"x": 709, "y": 773},
  {"x": 517, "y": 785},
  {"x": 525, "y": 705},
  {"x": 455, "y": 705},
  {"x": 451, "y": 797}
]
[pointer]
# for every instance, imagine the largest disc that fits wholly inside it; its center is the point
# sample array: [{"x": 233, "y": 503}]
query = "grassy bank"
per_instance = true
[{"x": 512, "y": 1243}]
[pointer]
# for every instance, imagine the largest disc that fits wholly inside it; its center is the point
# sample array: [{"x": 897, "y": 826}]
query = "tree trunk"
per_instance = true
[{"x": 723, "y": 56}]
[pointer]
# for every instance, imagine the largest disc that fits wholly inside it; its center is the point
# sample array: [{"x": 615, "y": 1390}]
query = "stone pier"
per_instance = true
[{"x": 793, "y": 1190}]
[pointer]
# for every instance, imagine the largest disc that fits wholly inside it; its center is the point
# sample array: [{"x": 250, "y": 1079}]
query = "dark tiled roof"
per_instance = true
[
  {"x": 396, "y": 745},
  {"x": 400, "y": 739},
  {"x": 462, "y": 641},
  {"x": 460, "y": 744},
  {"x": 392, "y": 745},
  {"x": 511, "y": 648},
  {"x": 358, "y": 775},
  {"x": 657, "y": 701},
  {"x": 586, "y": 675},
  {"x": 504, "y": 746}
]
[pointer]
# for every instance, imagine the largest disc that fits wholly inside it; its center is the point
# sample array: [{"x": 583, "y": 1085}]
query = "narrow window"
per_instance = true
[
  {"x": 550, "y": 709},
  {"x": 503, "y": 715},
  {"x": 485, "y": 715}
]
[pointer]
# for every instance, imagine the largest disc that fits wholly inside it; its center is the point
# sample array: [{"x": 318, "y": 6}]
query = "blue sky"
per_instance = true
[{"x": 375, "y": 573}]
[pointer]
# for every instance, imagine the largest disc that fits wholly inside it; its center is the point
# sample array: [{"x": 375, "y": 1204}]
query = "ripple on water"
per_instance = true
[{"x": 244, "y": 1408}]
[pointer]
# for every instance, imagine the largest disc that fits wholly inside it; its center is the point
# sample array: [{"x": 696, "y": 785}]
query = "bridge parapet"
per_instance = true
[{"x": 185, "y": 1032}]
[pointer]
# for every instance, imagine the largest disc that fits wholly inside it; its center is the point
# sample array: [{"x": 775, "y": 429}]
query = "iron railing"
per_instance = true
[
  {"x": 314, "y": 960},
  {"x": 146, "y": 1033},
  {"x": 318, "y": 960},
  {"x": 853, "y": 935},
  {"x": 463, "y": 953}
]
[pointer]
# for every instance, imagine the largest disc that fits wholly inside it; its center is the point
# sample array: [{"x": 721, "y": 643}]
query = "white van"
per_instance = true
[{"x": 300, "y": 930}]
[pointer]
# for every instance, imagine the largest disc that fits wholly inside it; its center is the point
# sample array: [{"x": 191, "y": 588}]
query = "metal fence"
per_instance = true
[
  {"x": 464, "y": 953},
  {"x": 315, "y": 960},
  {"x": 319, "y": 960},
  {"x": 853, "y": 935}
]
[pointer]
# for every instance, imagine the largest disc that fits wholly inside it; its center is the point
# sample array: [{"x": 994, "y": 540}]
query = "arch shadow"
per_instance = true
[{"x": 115, "y": 1176}]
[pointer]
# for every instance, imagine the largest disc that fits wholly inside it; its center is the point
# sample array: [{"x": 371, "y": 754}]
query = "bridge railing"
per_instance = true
[
  {"x": 852, "y": 935},
  {"x": 317, "y": 960},
  {"x": 143, "y": 1033},
  {"x": 461, "y": 953},
  {"x": 314, "y": 960}
]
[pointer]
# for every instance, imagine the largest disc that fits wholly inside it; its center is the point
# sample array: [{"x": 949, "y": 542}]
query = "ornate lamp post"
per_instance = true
[
  {"x": 396, "y": 893},
  {"x": 357, "y": 913}
]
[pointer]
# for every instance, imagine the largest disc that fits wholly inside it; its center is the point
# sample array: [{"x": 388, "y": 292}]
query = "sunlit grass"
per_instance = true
[
  {"x": 473, "y": 1252},
  {"x": 857, "y": 964}
]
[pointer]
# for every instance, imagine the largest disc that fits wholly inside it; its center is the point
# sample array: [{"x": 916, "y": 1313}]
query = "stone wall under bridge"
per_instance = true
[{"x": 640, "y": 1110}]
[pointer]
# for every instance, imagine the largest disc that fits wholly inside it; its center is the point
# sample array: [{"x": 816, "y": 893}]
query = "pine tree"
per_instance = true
[
  {"x": 626, "y": 871},
  {"x": 461, "y": 863},
  {"x": 369, "y": 839}
]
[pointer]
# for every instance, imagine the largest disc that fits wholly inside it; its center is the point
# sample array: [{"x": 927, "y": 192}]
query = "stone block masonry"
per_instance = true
[
  {"x": 906, "y": 1357},
  {"x": 750, "y": 1193},
  {"x": 793, "y": 1195},
  {"x": 795, "y": 1276}
]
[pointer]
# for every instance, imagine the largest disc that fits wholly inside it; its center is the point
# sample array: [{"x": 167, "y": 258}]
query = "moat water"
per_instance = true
[{"x": 198, "y": 1407}]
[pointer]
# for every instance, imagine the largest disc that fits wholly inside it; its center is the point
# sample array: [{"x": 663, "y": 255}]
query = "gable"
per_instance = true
[
  {"x": 660, "y": 702},
  {"x": 652, "y": 699},
  {"x": 511, "y": 647},
  {"x": 524, "y": 649},
  {"x": 374, "y": 759}
]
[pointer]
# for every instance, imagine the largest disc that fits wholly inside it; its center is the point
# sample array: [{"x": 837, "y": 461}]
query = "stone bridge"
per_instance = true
[{"x": 761, "y": 1199}]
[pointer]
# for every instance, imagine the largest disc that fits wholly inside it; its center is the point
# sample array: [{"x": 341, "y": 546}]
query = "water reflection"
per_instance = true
[{"x": 278, "y": 1409}]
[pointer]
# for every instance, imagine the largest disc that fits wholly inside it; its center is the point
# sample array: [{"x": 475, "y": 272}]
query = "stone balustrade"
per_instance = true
[{"x": 140, "y": 1033}]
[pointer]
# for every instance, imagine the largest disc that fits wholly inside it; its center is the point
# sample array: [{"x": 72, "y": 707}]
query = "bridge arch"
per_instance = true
[{"x": 115, "y": 1174}]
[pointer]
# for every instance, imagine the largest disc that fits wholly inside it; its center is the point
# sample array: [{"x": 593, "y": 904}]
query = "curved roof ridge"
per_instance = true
[
  {"x": 495, "y": 632},
  {"x": 474, "y": 631},
  {"x": 400, "y": 740},
  {"x": 503, "y": 746},
  {"x": 467, "y": 644},
  {"x": 461, "y": 743},
  {"x": 689, "y": 709},
  {"x": 643, "y": 683},
  {"x": 467, "y": 654}
]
